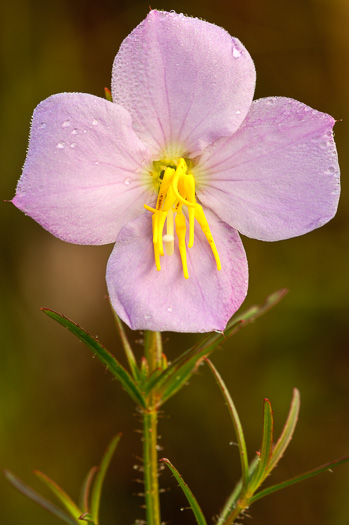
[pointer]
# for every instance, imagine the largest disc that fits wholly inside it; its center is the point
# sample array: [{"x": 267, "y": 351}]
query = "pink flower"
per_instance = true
[{"x": 182, "y": 131}]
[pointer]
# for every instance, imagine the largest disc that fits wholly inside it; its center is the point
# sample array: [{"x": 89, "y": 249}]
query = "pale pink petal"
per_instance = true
[
  {"x": 184, "y": 81},
  {"x": 83, "y": 176},
  {"x": 164, "y": 300},
  {"x": 277, "y": 176}
]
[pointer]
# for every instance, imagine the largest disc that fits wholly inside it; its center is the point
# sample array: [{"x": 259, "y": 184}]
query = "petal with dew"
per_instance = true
[
  {"x": 184, "y": 81},
  {"x": 83, "y": 178},
  {"x": 278, "y": 176},
  {"x": 163, "y": 300}
]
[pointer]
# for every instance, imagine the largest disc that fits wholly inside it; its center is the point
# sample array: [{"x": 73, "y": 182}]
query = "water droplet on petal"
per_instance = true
[
  {"x": 74, "y": 132},
  {"x": 169, "y": 309},
  {"x": 127, "y": 181},
  {"x": 95, "y": 122},
  {"x": 60, "y": 145},
  {"x": 73, "y": 144},
  {"x": 66, "y": 124},
  {"x": 96, "y": 162},
  {"x": 236, "y": 53},
  {"x": 42, "y": 125}
]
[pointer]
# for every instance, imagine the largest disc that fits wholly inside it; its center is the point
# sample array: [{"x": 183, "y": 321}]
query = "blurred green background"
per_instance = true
[{"x": 58, "y": 407}]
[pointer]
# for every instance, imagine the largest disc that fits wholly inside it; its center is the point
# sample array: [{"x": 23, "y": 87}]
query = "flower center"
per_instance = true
[{"x": 177, "y": 189}]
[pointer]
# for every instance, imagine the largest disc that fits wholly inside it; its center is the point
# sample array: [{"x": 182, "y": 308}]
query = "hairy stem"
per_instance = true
[{"x": 153, "y": 353}]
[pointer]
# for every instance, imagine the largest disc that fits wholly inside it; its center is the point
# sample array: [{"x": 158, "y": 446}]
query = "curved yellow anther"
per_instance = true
[
  {"x": 155, "y": 242},
  {"x": 181, "y": 231},
  {"x": 200, "y": 217},
  {"x": 164, "y": 186},
  {"x": 189, "y": 190}
]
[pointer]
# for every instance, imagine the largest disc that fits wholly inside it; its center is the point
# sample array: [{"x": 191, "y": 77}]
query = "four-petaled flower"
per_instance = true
[{"x": 173, "y": 168}]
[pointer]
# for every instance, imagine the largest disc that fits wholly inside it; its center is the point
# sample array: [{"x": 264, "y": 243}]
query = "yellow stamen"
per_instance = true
[
  {"x": 189, "y": 188},
  {"x": 177, "y": 188},
  {"x": 156, "y": 244},
  {"x": 181, "y": 231},
  {"x": 200, "y": 217}
]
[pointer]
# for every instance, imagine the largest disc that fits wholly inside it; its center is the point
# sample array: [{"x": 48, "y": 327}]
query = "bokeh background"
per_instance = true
[{"x": 58, "y": 407}]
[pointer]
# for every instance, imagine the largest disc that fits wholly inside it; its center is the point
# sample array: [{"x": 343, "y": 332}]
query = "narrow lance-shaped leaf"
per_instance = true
[
  {"x": 86, "y": 517},
  {"x": 237, "y": 425},
  {"x": 98, "y": 483},
  {"x": 34, "y": 496},
  {"x": 86, "y": 489},
  {"x": 127, "y": 347},
  {"x": 102, "y": 353},
  {"x": 63, "y": 497},
  {"x": 266, "y": 449},
  {"x": 187, "y": 363},
  {"x": 195, "y": 507},
  {"x": 288, "y": 431},
  {"x": 234, "y": 496},
  {"x": 323, "y": 468}
]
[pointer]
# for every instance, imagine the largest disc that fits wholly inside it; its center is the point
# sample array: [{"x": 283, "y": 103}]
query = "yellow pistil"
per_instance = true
[{"x": 177, "y": 188}]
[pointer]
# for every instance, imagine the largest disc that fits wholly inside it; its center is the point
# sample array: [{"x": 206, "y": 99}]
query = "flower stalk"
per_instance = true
[{"x": 153, "y": 355}]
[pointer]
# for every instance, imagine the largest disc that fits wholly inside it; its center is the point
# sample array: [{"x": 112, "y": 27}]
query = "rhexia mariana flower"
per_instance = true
[{"x": 172, "y": 169}]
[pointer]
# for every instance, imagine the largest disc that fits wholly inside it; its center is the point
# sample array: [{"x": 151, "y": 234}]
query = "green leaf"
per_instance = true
[
  {"x": 87, "y": 517},
  {"x": 234, "y": 496},
  {"x": 102, "y": 353},
  {"x": 266, "y": 449},
  {"x": 237, "y": 425},
  {"x": 86, "y": 489},
  {"x": 63, "y": 497},
  {"x": 34, "y": 496},
  {"x": 127, "y": 347},
  {"x": 180, "y": 371},
  {"x": 323, "y": 468},
  {"x": 98, "y": 483},
  {"x": 200, "y": 519},
  {"x": 288, "y": 431}
]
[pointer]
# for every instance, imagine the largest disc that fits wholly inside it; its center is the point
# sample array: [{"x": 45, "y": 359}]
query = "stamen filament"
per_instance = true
[
  {"x": 181, "y": 231},
  {"x": 200, "y": 217},
  {"x": 155, "y": 242}
]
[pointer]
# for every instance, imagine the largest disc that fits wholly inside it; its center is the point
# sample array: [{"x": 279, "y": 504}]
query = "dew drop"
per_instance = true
[
  {"x": 236, "y": 53},
  {"x": 60, "y": 145},
  {"x": 238, "y": 112},
  {"x": 74, "y": 132},
  {"x": 169, "y": 309},
  {"x": 42, "y": 125},
  {"x": 66, "y": 124},
  {"x": 96, "y": 162},
  {"x": 73, "y": 144},
  {"x": 331, "y": 170},
  {"x": 127, "y": 181},
  {"x": 85, "y": 130},
  {"x": 95, "y": 122}
]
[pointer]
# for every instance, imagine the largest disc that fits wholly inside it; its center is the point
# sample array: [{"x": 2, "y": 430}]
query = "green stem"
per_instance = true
[{"x": 153, "y": 353}]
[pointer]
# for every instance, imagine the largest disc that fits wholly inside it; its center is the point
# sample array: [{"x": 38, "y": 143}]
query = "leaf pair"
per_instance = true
[
  {"x": 88, "y": 508},
  {"x": 254, "y": 474},
  {"x": 161, "y": 381}
]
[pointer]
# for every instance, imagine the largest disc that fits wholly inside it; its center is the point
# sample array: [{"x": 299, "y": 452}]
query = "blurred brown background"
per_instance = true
[{"x": 58, "y": 408}]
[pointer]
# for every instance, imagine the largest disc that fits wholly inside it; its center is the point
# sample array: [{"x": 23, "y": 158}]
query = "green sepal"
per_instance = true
[
  {"x": 62, "y": 496},
  {"x": 107, "y": 94},
  {"x": 309, "y": 474},
  {"x": 99, "y": 478},
  {"x": 103, "y": 355},
  {"x": 34, "y": 496},
  {"x": 195, "y": 507}
]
